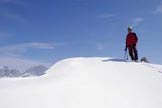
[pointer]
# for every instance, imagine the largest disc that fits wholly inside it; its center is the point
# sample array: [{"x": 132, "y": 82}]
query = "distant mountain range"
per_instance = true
[{"x": 6, "y": 71}]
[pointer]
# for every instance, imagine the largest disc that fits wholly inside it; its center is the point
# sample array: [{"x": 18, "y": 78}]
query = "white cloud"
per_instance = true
[
  {"x": 137, "y": 21},
  {"x": 12, "y": 55},
  {"x": 19, "y": 49},
  {"x": 38, "y": 45},
  {"x": 9, "y": 14},
  {"x": 13, "y": 16},
  {"x": 158, "y": 9},
  {"x": 106, "y": 16}
]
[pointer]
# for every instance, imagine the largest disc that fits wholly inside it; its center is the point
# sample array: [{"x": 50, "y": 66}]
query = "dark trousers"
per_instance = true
[{"x": 133, "y": 52}]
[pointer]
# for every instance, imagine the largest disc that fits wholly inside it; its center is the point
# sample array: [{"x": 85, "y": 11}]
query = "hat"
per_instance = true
[{"x": 130, "y": 27}]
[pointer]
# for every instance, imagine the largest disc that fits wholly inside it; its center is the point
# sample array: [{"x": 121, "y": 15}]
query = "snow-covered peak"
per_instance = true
[
  {"x": 6, "y": 71},
  {"x": 87, "y": 83}
]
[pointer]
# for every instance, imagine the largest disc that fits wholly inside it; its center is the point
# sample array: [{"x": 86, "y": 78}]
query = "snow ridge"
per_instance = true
[{"x": 87, "y": 83}]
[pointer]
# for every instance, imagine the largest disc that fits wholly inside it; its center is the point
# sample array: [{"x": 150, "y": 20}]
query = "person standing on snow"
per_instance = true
[{"x": 131, "y": 41}]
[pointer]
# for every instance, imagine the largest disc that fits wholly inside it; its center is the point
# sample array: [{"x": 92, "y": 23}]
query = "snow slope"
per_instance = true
[{"x": 87, "y": 83}]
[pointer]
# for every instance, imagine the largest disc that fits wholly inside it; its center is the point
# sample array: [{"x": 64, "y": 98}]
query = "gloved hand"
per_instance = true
[{"x": 125, "y": 48}]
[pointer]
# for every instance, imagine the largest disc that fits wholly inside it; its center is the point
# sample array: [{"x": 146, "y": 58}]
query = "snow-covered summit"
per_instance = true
[{"x": 87, "y": 83}]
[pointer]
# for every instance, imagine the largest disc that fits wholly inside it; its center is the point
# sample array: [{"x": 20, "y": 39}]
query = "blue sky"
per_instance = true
[{"x": 51, "y": 30}]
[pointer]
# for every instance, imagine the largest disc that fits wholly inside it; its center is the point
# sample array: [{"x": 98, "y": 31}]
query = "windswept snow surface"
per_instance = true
[{"x": 87, "y": 83}]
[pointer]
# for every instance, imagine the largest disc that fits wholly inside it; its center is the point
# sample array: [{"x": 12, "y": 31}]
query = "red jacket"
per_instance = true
[{"x": 131, "y": 39}]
